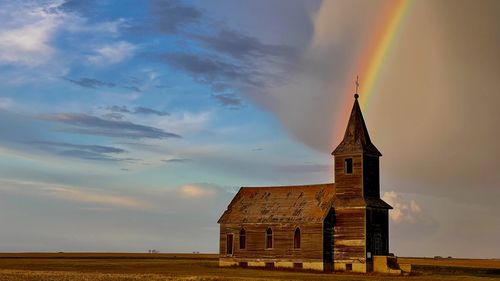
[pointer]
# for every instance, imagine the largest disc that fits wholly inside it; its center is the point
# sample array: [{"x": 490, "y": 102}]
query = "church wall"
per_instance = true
[
  {"x": 349, "y": 185},
  {"x": 310, "y": 252},
  {"x": 349, "y": 236}
]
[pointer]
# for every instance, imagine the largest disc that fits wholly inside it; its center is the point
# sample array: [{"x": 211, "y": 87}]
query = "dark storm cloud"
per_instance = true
[
  {"x": 137, "y": 110},
  {"x": 233, "y": 60},
  {"x": 241, "y": 46},
  {"x": 92, "y": 125},
  {"x": 229, "y": 100},
  {"x": 170, "y": 15},
  {"x": 227, "y": 59},
  {"x": 217, "y": 72},
  {"x": 205, "y": 68},
  {"x": 91, "y": 83}
]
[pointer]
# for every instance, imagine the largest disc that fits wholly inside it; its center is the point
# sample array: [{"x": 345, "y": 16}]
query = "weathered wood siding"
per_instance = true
[
  {"x": 349, "y": 185},
  {"x": 349, "y": 235},
  {"x": 311, "y": 242},
  {"x": 377, "y": 231},
  {"x": 328, "y": 241},
  {"x": 371, "y": 176}
]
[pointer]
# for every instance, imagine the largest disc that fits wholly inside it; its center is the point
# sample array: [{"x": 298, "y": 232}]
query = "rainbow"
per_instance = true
[{"x": 371, "y": 61}]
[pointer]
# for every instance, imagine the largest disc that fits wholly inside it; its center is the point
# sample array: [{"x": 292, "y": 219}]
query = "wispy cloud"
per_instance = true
[
  {"x": 176, "y": 160},
  {"x": 229, "y": 100},
  {"x": 91, "y": 83},
  {"x": 78, "y": 6},
  {"x": 92, "y": 148},
  {"x": 194, "y": 191},
  {"x": 137, "y": 110},
  {"x": 82, "y": 151},
  {"x": 92, "y": 125},
  {"x": 86, "y": 196},
  {"x": 112, "y": 53}
]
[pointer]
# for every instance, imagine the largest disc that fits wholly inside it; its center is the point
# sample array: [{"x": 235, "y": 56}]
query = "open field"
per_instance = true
[{"x": 132, "y": 267}]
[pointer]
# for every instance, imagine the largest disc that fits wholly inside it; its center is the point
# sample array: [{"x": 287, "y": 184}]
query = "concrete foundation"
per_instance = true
[{"x": 389, "y": 265}]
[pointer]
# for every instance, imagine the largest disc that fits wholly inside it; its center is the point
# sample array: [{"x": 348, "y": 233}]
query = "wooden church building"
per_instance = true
[{"x": 334, "y": 226}]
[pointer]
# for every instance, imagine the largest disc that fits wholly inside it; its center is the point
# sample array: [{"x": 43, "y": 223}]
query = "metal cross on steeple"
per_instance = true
[{"x": 357, "y": 87}]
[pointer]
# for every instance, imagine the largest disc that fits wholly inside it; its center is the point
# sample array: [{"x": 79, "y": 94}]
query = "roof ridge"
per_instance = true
[{"x": 288, "y": 186}]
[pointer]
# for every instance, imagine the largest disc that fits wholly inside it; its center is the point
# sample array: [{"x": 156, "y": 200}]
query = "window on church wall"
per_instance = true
[
  {"x": 243, "y": 239},
  {"x": 348, "y": 166},
  {"x": 229, "y": 244},
  {"x": 269, "y": 238},
  {"x": 296, "y": 238}
]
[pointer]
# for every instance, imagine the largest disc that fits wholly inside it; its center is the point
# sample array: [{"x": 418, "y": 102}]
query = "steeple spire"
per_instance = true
[{"x": 356, "y": 138}]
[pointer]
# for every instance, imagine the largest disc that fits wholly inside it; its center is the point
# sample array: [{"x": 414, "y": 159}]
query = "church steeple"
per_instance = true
[{"x": 356, "y": 137}]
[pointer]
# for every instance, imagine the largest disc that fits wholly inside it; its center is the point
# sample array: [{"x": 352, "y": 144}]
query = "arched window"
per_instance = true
[
  {"x": 269, "y": 238},
  {"x": 243, "y": 239},
  {"x": 296, "y": 238}
]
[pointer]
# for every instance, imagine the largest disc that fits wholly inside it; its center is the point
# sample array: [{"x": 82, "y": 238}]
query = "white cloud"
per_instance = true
[
  {"x": 185, "y": 122},
  {"x": 196, "y": 191},
  {"x": 414, "y": 207},
  {"x": 26, "y": 32},
  {"x": 403, "y": 211},
  {"x": 6, "y": 103},
  {"x": 112, "y": 53}
]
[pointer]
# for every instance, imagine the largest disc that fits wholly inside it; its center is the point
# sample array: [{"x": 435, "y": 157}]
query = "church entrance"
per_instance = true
[{"x": 328, "y": 242}]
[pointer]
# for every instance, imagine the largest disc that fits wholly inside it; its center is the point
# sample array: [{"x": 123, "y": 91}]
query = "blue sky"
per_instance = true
[
  {"x": 129, "y": 125},
  {"x": 119, "y": 106}
]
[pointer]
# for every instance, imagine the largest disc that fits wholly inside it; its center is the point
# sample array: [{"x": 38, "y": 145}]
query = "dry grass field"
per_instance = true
[{"x": 156, "y": 267}]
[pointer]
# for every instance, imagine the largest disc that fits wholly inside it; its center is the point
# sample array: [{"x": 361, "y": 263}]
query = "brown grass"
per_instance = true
[
  {"x": 156, "y": 267},
  {"x": 477, "y": 263}
]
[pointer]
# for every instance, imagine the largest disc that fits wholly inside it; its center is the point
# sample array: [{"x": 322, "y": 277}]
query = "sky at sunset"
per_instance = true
[{"x": 129, "y": 125}]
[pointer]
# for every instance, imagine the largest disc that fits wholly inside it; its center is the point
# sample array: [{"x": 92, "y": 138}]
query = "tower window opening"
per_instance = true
[{"x": 348, "y": 166}]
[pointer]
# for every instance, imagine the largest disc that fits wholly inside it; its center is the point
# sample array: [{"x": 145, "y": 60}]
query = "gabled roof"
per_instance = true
[
  {"x": 356, "y": 138},
  {"x": 280, "y": 204}
]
